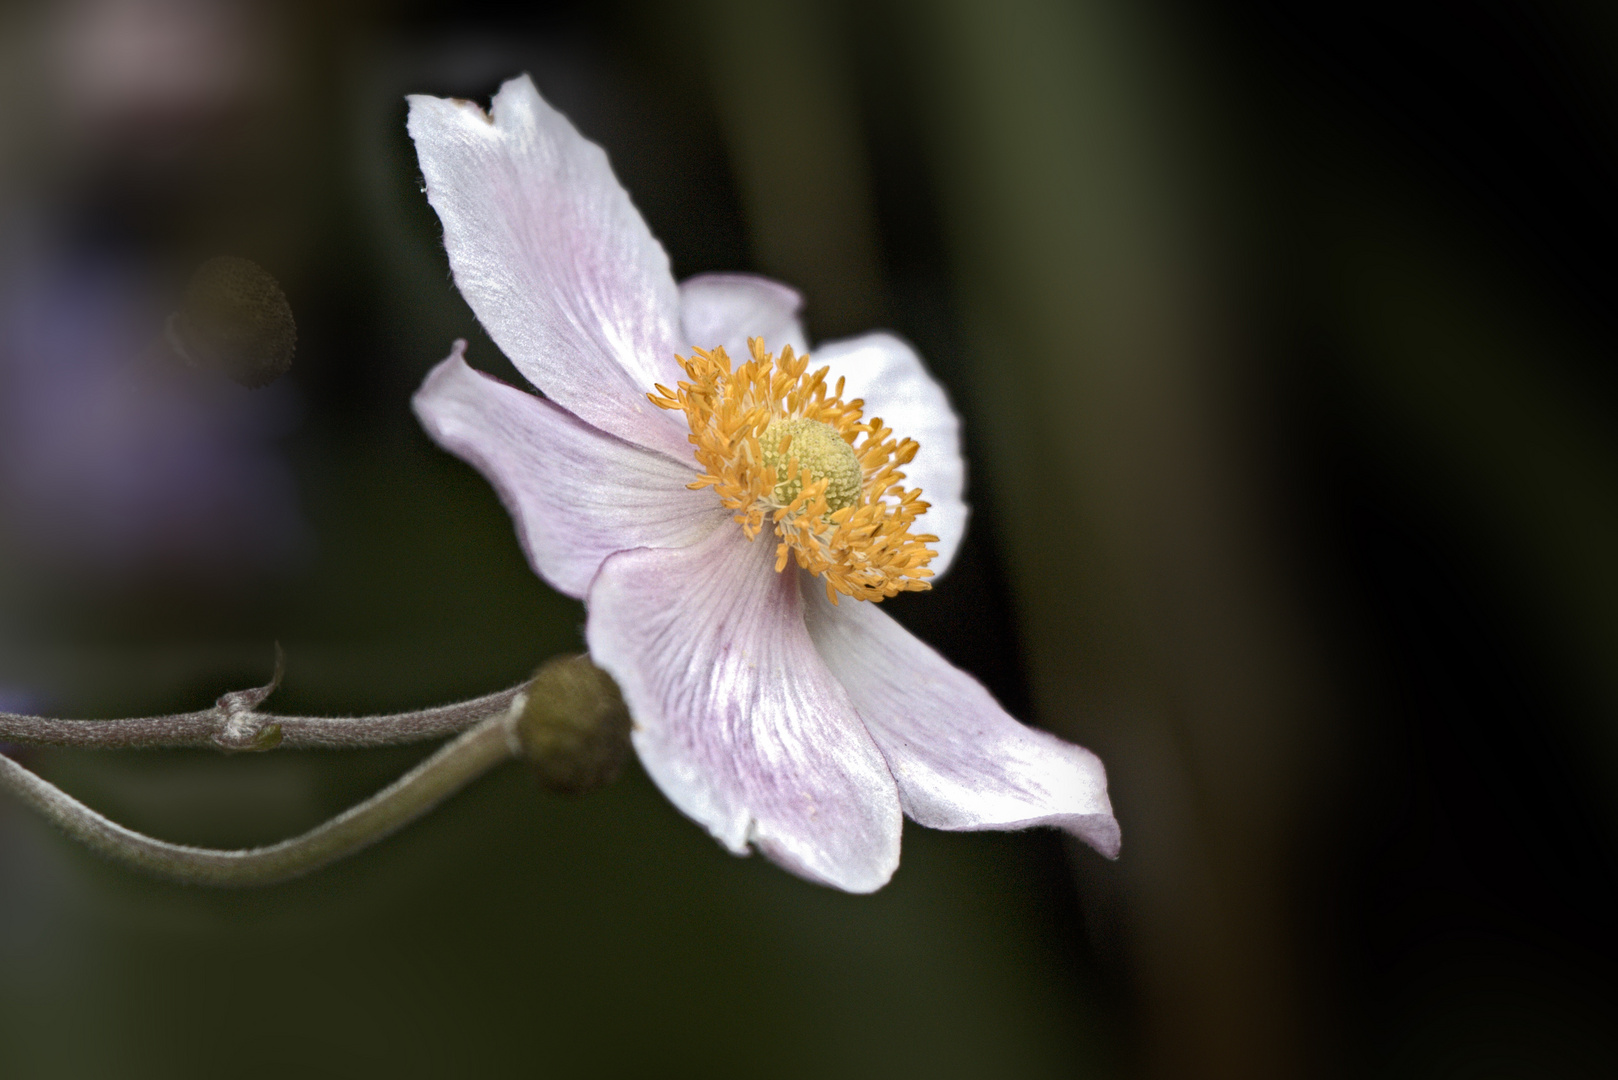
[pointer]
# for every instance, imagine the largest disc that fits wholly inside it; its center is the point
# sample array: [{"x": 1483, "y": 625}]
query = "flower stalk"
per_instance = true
[
  {"x": 568, "y": 721},
  {"x": 460, "y": 762},
  {"x": 234, "y": 724}
]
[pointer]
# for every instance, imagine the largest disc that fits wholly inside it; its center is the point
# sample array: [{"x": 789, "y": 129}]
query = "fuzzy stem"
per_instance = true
[
  {"x": 454, "y": 766},
  {"x": 210, "y": 727}
]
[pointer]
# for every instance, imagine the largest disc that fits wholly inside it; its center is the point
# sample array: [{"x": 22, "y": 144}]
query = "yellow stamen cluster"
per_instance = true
[{"x": 764, "y": 434}]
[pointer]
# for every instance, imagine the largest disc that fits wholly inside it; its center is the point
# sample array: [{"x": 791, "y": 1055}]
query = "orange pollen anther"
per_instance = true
[{"x": 839, "y": 510}]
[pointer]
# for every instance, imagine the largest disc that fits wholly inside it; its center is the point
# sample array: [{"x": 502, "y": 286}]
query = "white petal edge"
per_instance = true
[
  {"x": 888, "y": 374},
  {"x": 554, "y": 259},
  {"x": 576, "y": 495},
  {"x": 737, "y": 719},
  {"x": 727, "y": 309},
  {"x": 961, "y": 762}
]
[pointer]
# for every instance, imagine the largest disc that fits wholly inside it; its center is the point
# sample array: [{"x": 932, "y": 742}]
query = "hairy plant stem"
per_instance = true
[
  {"x": 234, "y": 724},
  {"x": 569, "y": 721},
  {"x": 457, "y": 764}
]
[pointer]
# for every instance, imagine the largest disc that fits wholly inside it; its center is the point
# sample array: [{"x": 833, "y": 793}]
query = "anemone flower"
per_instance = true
[{"x": 730, "y": 516}]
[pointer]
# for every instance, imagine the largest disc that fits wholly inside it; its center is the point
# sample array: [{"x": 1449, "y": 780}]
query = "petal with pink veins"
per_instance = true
[
  {"x": 727, "y": 309},
  {"x": 960, "y": 760},
  {"x": 576, "y": 494},
  {"x": 887, "y": 373},
  {"x": 737, "y": 718},
  {"x": 554, "y": 259}
]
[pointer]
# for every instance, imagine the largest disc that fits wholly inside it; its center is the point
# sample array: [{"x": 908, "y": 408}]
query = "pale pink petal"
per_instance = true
[
  {"x": 960, "y": 761},
  {"x": 888, "y": 374},
  {"x": 576, "y": 494},
  {"x": 737, "y": 718},
  {"x": 727, "y": 309},
  {"x": 554, "y": 259}
]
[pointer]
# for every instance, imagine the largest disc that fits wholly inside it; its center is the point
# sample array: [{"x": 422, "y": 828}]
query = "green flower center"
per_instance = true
[{"x": 815, "y": 446}]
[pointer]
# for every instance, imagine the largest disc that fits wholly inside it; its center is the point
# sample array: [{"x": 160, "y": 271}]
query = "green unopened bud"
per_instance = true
[
  {"x": 235, "y": 317},
  {"x": 574, "y": 727}
]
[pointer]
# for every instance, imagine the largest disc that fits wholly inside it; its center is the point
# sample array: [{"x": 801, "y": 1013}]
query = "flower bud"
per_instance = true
[
  {"x": 235, "y": 317},
  {"x": 574, "y": 727}
]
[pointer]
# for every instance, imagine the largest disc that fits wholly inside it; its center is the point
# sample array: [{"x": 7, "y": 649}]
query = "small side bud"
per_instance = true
[
  {"x": 574, "y": 727},
  {"x": 235, "y": 317},
  {"x": 244, "y": 730}
]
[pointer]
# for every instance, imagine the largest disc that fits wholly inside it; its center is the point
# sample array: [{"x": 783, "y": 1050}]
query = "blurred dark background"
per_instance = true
[{"x": 1283, "y": 336}]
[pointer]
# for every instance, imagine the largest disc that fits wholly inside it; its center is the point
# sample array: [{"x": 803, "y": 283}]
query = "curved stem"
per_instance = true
[
  {"x": 443, "y": 774},
  {"x": 205, "y": 727}
]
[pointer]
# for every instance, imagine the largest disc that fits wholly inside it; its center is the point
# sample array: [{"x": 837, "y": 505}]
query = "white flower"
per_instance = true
[{"x": 706, "y": 549}]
